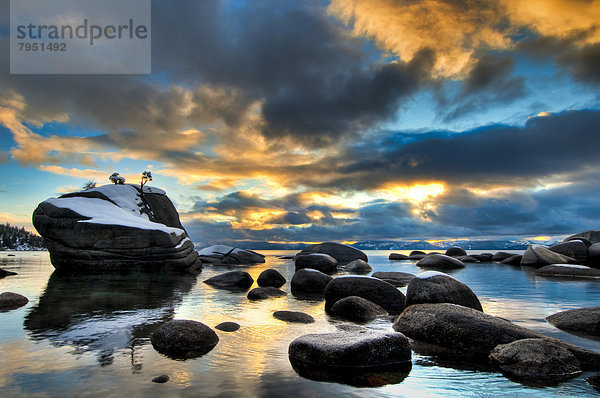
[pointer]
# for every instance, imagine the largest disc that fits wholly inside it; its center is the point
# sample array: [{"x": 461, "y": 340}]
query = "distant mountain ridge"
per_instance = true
[{"x": 402, "y": 245}]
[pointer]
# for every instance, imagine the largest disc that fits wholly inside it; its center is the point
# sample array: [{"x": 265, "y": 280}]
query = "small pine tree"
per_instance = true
[
  {"x": 89, "y": 185},
  {"x": 116, "y": 179}
]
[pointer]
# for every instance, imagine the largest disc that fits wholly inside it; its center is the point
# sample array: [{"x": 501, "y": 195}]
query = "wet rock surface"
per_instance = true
[
  {"x": 262, "y": 293},
  {"x": 436, "y": 287},
  {"x": 309, "y": 281},
  {"x": 342, "y": 253},
  {"x": 182, "y": 339},
  {"x": 357, "y": 309},
  {"x": 231, "y": 280},
  {"x": 375, "y": 290},
  {"x": 293, "y": 317},
  {"x": 12, "y": 301}
]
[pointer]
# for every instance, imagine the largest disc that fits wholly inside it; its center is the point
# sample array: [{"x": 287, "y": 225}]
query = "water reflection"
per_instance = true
[{"x": 105, "y": 313}]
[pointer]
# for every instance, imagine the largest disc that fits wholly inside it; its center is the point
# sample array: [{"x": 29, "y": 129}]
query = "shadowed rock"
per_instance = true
[
  {"x": 468, "y": 259},
  {"x": 222, "y": 254},
  {"x": 483, "y": 257},
  {"x": 455, "y": 251},
  {"x": 372, "y": 289},
  {"x": 342, "y": 253},
  {"x": 540, "y": 256},
  {"x": 357, "y": 309},
  {"x": 398, "y": 256},
  {"x": 594, "y": 255},
  {"x": 581, "y": 321},
  {"x": 161, "y": 379},
  {"x": 231, "y": 280},
  {"x": 350, "y": 349},
  {"x": 588, "y": 236},
  {"x": 454, "y": 328},
  {"x": 228, "y": 326},
  {"x": 575, "y": 249},
  {"x": 568, "y": 270},
  {"x": 4, "y": 273},
  {"x": 500, "y": 256},
  {"x": 513, "y": 260},
  {"x": 594, "y": 381},
  {"x": 319, "y": 261},
  {"x": 309, "y": 281},
  {"x": 440, "y": 262},
  {"x": 537, "y": 361},
  {"x": 262, "y": 293},
  {"x": 270, "y": 277},
  {"x": 436, "y": 287},
  {"x": 358, "y": 266},
  {"x": 184, "y": 339},
  {"x": 293, "y": 317},
  {"x": 398, "y": 279},
  {"x": 12, "y": 301}
]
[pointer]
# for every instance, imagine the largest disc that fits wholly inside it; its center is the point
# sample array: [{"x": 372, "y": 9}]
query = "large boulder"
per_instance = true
[
  {"x": 231, "y": 280},
  {"x": 450, "y": 328},
  {"x": 575, "y": 249},
  {"x": 307, "y": 281},
  {"x": 594, "y": 255},
  {"x": 398, "y": 279},
  {"x": 11, "y": 301},
  {"x": 437, "y": 287},
  {"x": 360, "y": 357},
  {"x": 271, "y": 277},
  {"x": 222, "y": 254},
  {"x": 569, "y": 271},
  {"x": 538, "y": 361},
  {"x": 540, "y": 256},
  {"x": 114, "y": 227},
  {"x": 375, "y": 290},
  {"x": 319, "y": 261},
  {"x": 588, "y": 236},
  {"x": 351, "y": 349},
  {"x": 440, "y": 262},
  {"x": 581, "y": 321},
  {"x": 342, "y": 253},
  {"x": 357, "y": 309},
  {"x": 182, "y": 339},
  {"x": 358, "y": 266}
]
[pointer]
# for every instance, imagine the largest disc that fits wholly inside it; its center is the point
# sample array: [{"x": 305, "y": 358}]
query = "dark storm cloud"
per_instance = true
[
  {"x": 489, "y": 83},
  {"x": 555, "y": 144}
]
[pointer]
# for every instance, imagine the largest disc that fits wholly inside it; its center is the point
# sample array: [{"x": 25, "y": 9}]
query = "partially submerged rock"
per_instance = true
[
  {"x": 270, "y": 277},
  {"x": 12, "y": 301},
  {"x": 228, "y": 326},
  {"x": 500, "y": 256},
  {"x": 182, "y": 339},
  {"x": 342, "y": 253},
  {"x": 309, "y": 281},
  {"x": 398, "y": 279},
  {"x": 231, "y": 280},
  {"x": 581, "y": 321},
  {"x": 568, "y": 270},
  {"x": 4, "y": 273},
  {"x": 293, "y": 317},
  {"x": 540, "y": 256},
  {"x": 161, "y": 379},
  {"x": 351, "y": 349},
  {"x": 398, "y": 257},
  {"x": 262, "y": 293},
  {"x": 437, "y": 287},
  {"x": 358, "y": 266},
  {"x": 319, "y": 261},
  {"x": 372, "y": 289},
  {"x": 456, "y": 251},
  {"x": 114, "y": 227},
  {"x": 440, "y": 262},
  {"x": 357, "y": 309},
  {"x": 451, "y": 329},
  {"x": 222, "y": 254},
  {"x": 513, "y": 260},
  {"x": 537, "y": 361}
]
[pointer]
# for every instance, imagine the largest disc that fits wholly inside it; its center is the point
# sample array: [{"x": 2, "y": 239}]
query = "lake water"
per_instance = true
[{"x": 90, "y": 335}]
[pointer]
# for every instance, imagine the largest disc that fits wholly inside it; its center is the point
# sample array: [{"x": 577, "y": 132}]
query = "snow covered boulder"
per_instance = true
[
  {"x": 114, "y": 227},
  {"x": 222, "y": 254}
]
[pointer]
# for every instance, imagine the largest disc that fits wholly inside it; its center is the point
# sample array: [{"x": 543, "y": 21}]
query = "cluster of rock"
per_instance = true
[
  {"x": 227, "y": 255},
  {"x": 114, "y": 227}
]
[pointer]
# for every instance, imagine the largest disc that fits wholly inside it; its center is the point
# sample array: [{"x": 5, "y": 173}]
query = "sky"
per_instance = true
[{"x": 344, "y": 120}]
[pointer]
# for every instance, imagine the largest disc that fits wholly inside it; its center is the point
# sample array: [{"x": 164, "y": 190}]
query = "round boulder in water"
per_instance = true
[
  {"x": 359, "y": 266},
  {"x": 231, "y": 280},
  {"x": 375, "y": 290},
  {"x": 308, "y": 281},
  {"x": 319, "y": 261},
  {"x": 440, "y": 262},
  {"x": 456, "y": 251},
  {"x": 12, "y": 301},
  {"x": 270, "y": 277},
  {"x": 182, "y": 339},
  {"x": 293, "y": 317},
  {"x": 357, "y": 309},
  {"x": 437, "y": 287}
]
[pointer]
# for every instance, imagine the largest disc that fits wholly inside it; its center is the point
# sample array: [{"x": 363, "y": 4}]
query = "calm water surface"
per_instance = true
[{"x": 90, "y": 335}]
